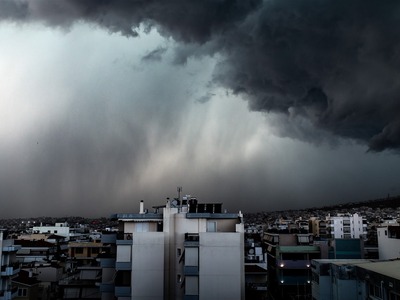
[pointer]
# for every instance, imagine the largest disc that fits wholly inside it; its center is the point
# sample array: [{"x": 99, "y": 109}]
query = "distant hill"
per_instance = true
[{"x": 388, "y": 202}]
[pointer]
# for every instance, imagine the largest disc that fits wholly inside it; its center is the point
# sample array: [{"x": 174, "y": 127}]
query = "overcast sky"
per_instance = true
[{"x": 261, "y": 105}]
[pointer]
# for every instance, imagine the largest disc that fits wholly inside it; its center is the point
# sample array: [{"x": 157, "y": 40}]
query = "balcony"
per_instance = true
[
  {"x": 191, "y": 240},
  {"x": 107, "y": 288},
  {"x": 191, "y": 297},
  {"x": 8, "y": 294},
  {"x": 123, "y": 266},
  {"x": 10, "y": 270},
  {"x": 124, "y": 238},
  {"x": 295, "y": 280},
  {"x": 106, "y": 262},
  {"x": 12, "y": 248},
  {"x": 191, "y": 270},
  {"x": 122, "y": 291},
  {"x": 293, "y": 264}
]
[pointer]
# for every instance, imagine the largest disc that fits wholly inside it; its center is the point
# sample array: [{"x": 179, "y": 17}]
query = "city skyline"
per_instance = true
[{"x": 263, "y": 105}]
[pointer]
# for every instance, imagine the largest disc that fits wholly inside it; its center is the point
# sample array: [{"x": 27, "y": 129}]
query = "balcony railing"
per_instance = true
[
  {"x": 10, "y": 269},
  {"x": 107, "y": 287},
  {"x": 123, "y": 266},
  {"x": 124, "y": 238},
  {"x": 191, "y": 270},
  {"x": 191, "y": 239},
  {"x": 8, "y": 294},
  {"x": 122, "y": 291},
  {"x": 293, "y": 264},
  {"x": 106, "y": 262},
  {"x": 295, "y": 280}
]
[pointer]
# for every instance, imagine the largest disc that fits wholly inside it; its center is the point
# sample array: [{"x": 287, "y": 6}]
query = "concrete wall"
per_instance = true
[
  {"x": 345, "y": 290},
  {"x": 124, "y": 253},
  {"x": 59, "y": 230},
  {"x": 148, "y": 266},
  {"x": 221, "y": 268},
  {"x": 389, "y": 248},
  {"x": 323, "y": 289}
]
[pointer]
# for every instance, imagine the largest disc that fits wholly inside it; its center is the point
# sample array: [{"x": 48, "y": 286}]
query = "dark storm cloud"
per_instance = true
[{"x": 334, "y": 63}]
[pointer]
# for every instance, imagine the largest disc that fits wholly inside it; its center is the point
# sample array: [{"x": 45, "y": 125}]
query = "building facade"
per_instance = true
[
  {"x": 389, "y": 241},
  {"x": 355, "y": 279},
  {"x": 289, "y": 264},
  {"x": 183, "y": 250},
  {"x": 9, "y": 268}
]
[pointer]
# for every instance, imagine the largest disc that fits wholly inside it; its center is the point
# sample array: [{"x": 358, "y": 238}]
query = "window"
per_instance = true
[
  {"x": 22, "y": 292},
  {"x": 79, "y": 250},
  {"x": 95, "y": 250},
  {"x": 142, "y": 227},
  {"x": 375, "y": 290},
  {"x": 211, "y": 226}
]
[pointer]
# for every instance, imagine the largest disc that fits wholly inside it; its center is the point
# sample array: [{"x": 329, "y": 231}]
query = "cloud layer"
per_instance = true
[
  {"x": 104, "y": 103},
  {"x": 332, "y": 63}
]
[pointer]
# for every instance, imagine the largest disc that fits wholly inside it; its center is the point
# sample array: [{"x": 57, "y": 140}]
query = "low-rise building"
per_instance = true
[{"x": 355, "y": 279}]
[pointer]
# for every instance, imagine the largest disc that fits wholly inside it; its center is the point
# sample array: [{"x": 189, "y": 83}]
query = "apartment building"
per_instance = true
[
  {"x": 289, "y": 260},
  {"x": 389, "y": 241},
  {"x": 348, "y": 226},
  {"x": 61, "y": 229},
  {"x": 182, "y": 250},
  {"x": 9, "y": 268},
  {"x": 342, "y": 226}
]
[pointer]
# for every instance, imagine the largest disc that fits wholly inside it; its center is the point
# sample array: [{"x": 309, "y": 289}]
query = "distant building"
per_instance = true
[
  {"x": 35, "y": 252},
  {"x": 61, "y": 229},
  {"x": 342, "y": 226},
  {"x": 319, "y": 228},
  {"x": 183, "y": 250},
  {"x": 347, "y": 226}
]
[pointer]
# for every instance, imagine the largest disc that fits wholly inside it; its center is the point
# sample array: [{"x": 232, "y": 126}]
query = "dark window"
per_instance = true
[{"x": 22, "y": 292}]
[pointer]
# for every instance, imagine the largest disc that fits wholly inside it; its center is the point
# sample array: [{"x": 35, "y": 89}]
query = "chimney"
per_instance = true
[{"x": 141, "y": 207}]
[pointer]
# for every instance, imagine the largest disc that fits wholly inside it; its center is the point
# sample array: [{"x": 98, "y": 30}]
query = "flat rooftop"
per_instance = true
[
  {"x": 137, "y": 217},
  {"x": 390, "y": 268}
]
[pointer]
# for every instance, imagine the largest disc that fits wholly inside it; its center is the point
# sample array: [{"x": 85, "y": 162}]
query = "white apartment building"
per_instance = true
[
  {"x": 61, "y": 229},
  {"x": 346, "y": 226},
  {"x": 389, "y": 241},
  {"x": 185, "y": 250}
]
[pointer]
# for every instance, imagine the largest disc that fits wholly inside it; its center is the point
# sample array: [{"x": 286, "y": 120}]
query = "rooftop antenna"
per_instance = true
[{"x": 179, "y": 190}]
